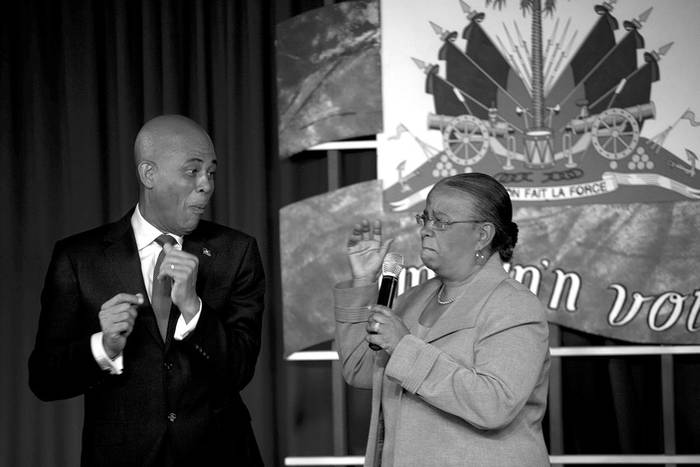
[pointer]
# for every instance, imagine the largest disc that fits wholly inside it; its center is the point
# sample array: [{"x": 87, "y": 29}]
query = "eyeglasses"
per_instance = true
[{"x": 422, "y": 219}]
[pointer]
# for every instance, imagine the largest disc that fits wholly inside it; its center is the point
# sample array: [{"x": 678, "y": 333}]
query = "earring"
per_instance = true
[{"x": 479, "y": 257}]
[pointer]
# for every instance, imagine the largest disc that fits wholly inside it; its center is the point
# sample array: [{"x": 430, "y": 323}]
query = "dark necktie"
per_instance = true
[{"x": 160, "y": 292}]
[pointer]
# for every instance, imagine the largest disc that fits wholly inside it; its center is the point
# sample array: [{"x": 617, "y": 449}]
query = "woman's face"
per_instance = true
[{"x": 450, "y": 252}]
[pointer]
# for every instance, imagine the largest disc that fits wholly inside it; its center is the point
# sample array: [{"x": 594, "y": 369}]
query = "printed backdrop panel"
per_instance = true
[
  {"x": 328, "y": 77},
  {"x": 593, "y": 131},
  {"x": 624, "y": 271}
]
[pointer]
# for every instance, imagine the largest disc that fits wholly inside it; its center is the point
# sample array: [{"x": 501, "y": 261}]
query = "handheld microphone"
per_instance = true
[{"x": 391, "y": 268}]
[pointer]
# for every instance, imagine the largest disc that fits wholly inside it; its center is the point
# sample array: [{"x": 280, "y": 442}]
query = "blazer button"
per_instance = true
[{"x": 172, "y": 416}]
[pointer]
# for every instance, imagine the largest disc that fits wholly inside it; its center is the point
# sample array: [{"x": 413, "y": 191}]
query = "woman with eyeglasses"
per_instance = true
[{"x": 462, "y": 372}]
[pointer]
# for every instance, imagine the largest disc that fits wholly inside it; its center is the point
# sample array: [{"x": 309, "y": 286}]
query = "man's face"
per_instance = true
[{"x": 183, "y": 183}]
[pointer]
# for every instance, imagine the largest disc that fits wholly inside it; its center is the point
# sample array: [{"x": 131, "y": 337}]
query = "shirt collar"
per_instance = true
[{"x": 145, "y": 232}]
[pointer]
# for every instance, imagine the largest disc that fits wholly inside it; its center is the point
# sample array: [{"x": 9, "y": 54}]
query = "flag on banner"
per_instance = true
[
  {"x": 690, "y": 116},
  {"x": 400, "y": 129}
]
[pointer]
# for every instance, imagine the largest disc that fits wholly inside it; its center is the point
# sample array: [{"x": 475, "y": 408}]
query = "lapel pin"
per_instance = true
[{"x": 206, "y": 252}]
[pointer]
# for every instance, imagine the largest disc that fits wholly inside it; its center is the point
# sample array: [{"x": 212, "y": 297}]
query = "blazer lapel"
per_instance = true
[
  {"x": 121, "y": 253},
  {"x": 416, "y": 304},
  {"x": 462, "y": 314}
]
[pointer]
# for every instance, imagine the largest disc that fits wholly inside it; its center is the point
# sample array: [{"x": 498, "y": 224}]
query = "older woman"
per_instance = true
[{"x": 461, "y": 378}]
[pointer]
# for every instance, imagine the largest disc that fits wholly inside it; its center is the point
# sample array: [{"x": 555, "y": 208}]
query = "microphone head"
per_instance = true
[{"x": 393, "y": 264}]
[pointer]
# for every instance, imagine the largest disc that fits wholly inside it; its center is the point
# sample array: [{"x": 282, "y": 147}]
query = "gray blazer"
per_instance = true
[{"x": 473, "y": 392}]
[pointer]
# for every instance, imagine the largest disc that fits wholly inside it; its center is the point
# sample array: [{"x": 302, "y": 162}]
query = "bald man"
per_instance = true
[{"x": 156, "y": 318}]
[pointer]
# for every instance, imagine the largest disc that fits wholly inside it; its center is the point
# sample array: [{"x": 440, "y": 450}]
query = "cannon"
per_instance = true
[{"x": 614, "y": 132}]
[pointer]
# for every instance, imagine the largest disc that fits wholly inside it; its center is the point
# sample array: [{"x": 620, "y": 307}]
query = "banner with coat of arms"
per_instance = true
[{"x": 569, "y": 103}]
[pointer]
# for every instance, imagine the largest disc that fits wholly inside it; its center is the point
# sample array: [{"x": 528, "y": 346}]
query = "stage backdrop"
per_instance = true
[{"x": 585, "y": 112}]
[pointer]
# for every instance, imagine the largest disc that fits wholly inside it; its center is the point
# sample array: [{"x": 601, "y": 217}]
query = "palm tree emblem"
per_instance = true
[{"x": 538, "y": 137}]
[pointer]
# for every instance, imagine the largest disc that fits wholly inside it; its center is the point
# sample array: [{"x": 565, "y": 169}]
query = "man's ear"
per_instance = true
[{"x": 147, "y": 171}]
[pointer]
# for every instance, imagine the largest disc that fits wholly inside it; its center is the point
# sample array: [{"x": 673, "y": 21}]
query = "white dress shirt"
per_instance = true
[{"x": 149, "y": 250}]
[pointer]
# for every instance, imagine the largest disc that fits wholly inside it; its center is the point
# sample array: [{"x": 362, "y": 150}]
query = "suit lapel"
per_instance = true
[
  {"x": 123, "y": 257},
  {"x": 120, "y": 250}
]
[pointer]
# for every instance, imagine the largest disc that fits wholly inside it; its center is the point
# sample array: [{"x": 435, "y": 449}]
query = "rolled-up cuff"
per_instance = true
[
  {"x": 351, "y": 303},
  {"x": 352, "y": 315},
  {"x": 411, "y": 362}
]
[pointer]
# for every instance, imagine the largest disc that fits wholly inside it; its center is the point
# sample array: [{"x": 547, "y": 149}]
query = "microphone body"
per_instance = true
[
  {"x": 391, "y": 268},
  {"x": 387, "y": 291}
]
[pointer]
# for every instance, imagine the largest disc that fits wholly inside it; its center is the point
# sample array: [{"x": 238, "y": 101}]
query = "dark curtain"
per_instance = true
[{"x": 77, "y": 80}]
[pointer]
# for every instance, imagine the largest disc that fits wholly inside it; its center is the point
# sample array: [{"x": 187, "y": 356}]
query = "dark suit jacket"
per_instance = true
[{"x": 177, "y": 402}]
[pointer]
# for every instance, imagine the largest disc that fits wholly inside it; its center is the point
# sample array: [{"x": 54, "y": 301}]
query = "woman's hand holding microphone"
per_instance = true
[
  {"x": 384, "y": 328},
  {"x": 366, "y": 252}
]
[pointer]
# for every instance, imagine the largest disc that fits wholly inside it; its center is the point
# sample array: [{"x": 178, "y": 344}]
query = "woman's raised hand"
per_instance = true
[{"x": 366, "y": 251}]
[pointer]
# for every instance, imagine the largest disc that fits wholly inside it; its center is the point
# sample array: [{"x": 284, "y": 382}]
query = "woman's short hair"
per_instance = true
[{"x": 492, "y": 204}]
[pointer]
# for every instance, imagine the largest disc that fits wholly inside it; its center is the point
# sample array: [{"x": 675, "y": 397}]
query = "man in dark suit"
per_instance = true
[{"x": 156, "y": 318}]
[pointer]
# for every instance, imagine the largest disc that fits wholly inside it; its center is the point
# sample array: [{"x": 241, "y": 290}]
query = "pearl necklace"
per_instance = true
[{"x": 442, "y": 301}]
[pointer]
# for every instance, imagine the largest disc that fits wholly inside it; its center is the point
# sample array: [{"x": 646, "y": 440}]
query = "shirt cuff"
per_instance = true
[
  {"x": 115, "y": 366},
  {"x": 183, "y": 328}
]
